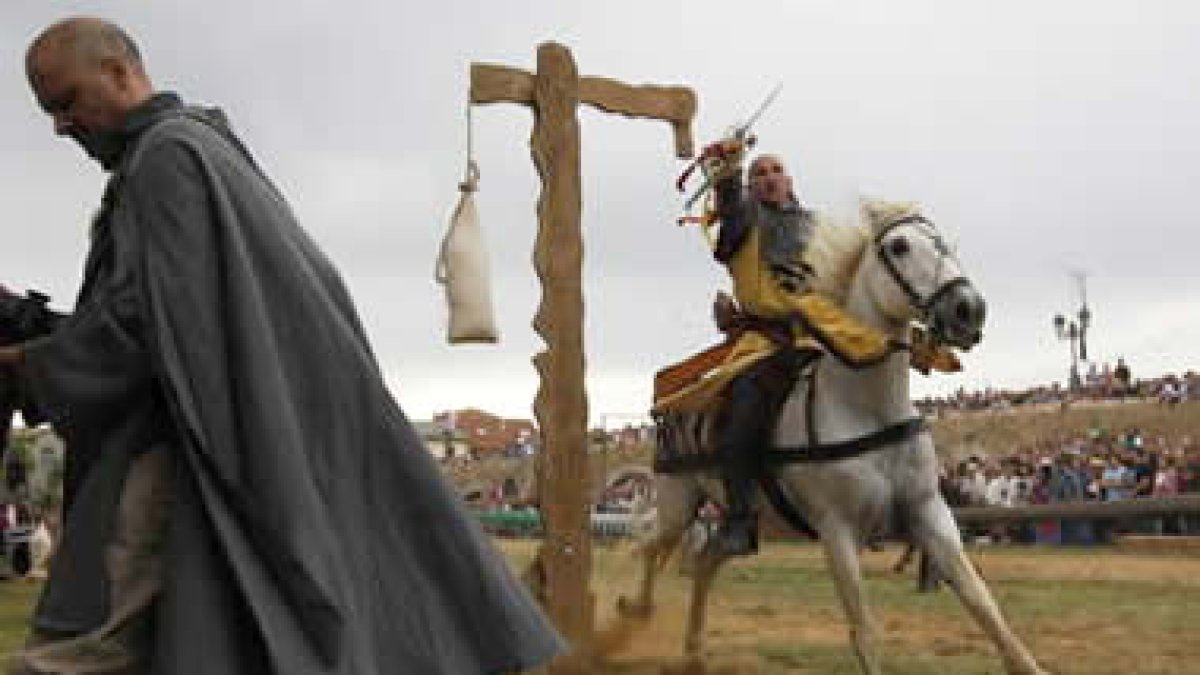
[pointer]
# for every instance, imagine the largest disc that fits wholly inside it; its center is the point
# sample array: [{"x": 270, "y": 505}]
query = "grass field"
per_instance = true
[
  {"x": 16, "y": 602},
  {"x": 1081, "y": 611}
]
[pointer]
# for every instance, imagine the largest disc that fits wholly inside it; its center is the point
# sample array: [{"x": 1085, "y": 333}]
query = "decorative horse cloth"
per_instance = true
[{"x": 698, "y": 383}]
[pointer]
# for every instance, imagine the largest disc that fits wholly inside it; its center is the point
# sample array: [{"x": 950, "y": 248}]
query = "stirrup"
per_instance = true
[{"x": 734, "y": 537}]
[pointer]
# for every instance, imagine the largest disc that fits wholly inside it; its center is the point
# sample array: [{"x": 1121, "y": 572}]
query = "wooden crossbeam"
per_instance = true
[{"x": 554, "y": 92}]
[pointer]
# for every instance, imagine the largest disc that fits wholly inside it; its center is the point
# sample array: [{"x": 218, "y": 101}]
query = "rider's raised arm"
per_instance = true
[{"x": 731, "y": 212}]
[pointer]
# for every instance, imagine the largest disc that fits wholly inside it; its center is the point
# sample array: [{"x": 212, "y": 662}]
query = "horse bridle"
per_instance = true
[{"x": 923, "y": 305}]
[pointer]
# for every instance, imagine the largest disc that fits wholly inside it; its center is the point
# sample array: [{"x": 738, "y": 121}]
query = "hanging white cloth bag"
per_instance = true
[{"x": 462, "y": 268}]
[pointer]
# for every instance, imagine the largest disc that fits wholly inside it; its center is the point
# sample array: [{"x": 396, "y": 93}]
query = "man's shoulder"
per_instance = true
[
  {"x": 184, "y": 143},
  {"x": 170, "y": 140},
  {"x": 188, "y": 129}
]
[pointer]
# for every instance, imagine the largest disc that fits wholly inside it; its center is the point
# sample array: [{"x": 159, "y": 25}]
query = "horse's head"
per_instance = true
[{"x": 921, "y": 278}]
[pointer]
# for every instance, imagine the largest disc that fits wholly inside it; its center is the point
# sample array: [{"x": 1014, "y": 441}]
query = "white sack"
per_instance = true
[{"x": 462, "y": 268}]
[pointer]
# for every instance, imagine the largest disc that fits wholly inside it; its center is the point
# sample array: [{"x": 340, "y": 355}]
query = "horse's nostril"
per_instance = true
[{"x": 962, "y": 311}]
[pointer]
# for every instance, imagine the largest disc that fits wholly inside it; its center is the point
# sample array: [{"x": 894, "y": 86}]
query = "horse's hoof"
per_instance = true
[
  {"x": 1025, "y": 669},
  {"x": 634, "y": 610},
  {"x": 688, "y": 666}
]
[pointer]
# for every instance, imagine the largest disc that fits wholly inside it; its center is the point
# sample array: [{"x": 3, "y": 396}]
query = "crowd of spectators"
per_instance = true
[
  {"x": 1097, "y": 466},
  {"x": 1100, "y": 383}
]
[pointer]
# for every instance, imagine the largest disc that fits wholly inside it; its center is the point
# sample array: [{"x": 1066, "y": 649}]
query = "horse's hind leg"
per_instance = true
[
  {"x": 936, "y": 533},
  {"x": 841, "y": 552},
  {"x": 676, "y": 503}
]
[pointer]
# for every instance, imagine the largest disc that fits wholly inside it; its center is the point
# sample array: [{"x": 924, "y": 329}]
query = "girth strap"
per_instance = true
[
  {"x": 784, "y": 507},
  {"x": 827, "y": 452}
]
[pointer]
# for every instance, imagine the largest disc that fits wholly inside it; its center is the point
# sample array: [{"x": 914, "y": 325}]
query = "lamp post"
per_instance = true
[
  {"x": 1075, "y": 331},
  {"x": 1069, "y": 330}
]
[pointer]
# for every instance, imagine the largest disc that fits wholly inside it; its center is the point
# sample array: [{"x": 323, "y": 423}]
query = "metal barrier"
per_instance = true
[
  {"x": 612, "y": 524},
  {"x": 524, "y": 523},
  {"x": 528, "y": 523}
]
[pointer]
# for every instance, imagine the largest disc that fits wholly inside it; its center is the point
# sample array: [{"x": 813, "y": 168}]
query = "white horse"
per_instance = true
[{"x": 892, "y": 272}]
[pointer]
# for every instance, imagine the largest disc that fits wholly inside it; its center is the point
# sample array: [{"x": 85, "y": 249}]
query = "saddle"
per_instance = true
[
  {"x": 689, "y": 396},
  {"x": 696, "y": 384},
  {"x": 686, "y": 439}
]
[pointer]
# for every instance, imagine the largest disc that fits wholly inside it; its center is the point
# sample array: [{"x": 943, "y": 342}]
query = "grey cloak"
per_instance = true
[{"x": 312, "y": 533}]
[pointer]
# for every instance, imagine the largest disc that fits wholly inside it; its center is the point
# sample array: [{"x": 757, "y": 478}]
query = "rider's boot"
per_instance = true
[
  {"x": 755, "y": 398},
  {"x": 737, "y": 448},
  {"x": 738, "y": 533}
]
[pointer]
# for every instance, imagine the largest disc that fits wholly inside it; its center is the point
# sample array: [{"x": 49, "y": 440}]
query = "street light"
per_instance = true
[
  {"x": 1085, "y": 320},
  {"x": 1075, "y": 330},
  {"x": 1069, "y": 331}
]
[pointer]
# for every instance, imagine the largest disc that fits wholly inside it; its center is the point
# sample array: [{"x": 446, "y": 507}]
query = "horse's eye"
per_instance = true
[{"x": 898, "y": 247}]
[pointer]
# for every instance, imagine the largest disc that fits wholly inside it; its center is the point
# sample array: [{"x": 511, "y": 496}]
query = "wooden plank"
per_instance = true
[
  {"x": 561, "y": 402},
  {"x": 1126, "y": 508},
  {"x": 673, "y": 104},
  {"x": 492, "y": 83}
]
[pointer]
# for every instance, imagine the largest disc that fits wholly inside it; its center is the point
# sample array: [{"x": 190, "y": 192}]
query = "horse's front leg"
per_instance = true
[
  {"x": 707, "y": 565},
  {"x": 841, "y": 553},
  {"x": 937, "y": 534},
  {"x": 642, "y": 605},
  {"x": 676, "y": 509}
]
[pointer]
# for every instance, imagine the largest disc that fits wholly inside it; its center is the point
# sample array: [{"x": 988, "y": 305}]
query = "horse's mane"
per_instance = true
[{"x": 837, "y": 247}]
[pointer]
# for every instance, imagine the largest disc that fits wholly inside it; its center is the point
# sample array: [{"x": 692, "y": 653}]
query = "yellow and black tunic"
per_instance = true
[{"x": 763, "y": 246}]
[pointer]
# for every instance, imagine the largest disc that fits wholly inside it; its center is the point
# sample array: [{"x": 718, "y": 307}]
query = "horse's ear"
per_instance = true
[
  {"x": 874, "y": 212},
  {"x": 877, "y": 213}
]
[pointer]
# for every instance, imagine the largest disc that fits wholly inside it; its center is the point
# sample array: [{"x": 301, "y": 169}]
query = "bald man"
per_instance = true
[
  {"x": 243, "y": 495},
  {"x": 762, "y": 241}
]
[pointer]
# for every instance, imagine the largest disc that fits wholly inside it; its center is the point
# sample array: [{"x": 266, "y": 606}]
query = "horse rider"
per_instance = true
[{"x": 763, "y": 236}]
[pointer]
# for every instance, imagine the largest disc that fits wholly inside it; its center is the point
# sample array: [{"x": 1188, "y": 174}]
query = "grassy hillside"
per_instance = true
[
  {"x": 958, "y": 436},
  {"x": 1014, "y": 430}
]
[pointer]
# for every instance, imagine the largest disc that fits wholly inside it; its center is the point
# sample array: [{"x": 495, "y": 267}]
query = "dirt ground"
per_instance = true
[{"x": 1080, "y": 611}]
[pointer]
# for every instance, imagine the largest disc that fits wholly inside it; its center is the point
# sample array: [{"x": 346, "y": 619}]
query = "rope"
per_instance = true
[
  {"x": 470, "y": 181},
  {"x": 469, "y": 184}
]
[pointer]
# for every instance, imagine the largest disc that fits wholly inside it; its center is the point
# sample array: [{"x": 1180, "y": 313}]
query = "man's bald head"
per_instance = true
[
  {"x": 88, "y": 76},
  {"x": 88, "y": 40}
]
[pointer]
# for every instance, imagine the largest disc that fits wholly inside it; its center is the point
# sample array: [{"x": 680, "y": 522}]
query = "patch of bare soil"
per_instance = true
[{"x": 754, "y": 631}]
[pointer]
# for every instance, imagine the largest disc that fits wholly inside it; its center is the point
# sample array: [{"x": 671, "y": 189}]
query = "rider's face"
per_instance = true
[{"x": 770, "y": 181}]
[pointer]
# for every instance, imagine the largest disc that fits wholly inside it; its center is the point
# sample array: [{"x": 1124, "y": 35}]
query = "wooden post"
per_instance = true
[{"x": 554, "y": 93}]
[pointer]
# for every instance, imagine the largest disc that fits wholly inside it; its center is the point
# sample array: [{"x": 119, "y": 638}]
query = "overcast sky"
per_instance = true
[{"x": 1043, "y": 137}]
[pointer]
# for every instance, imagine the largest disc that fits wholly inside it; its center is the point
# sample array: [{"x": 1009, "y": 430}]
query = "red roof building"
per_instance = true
[{"x": 488, "y": 434}]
